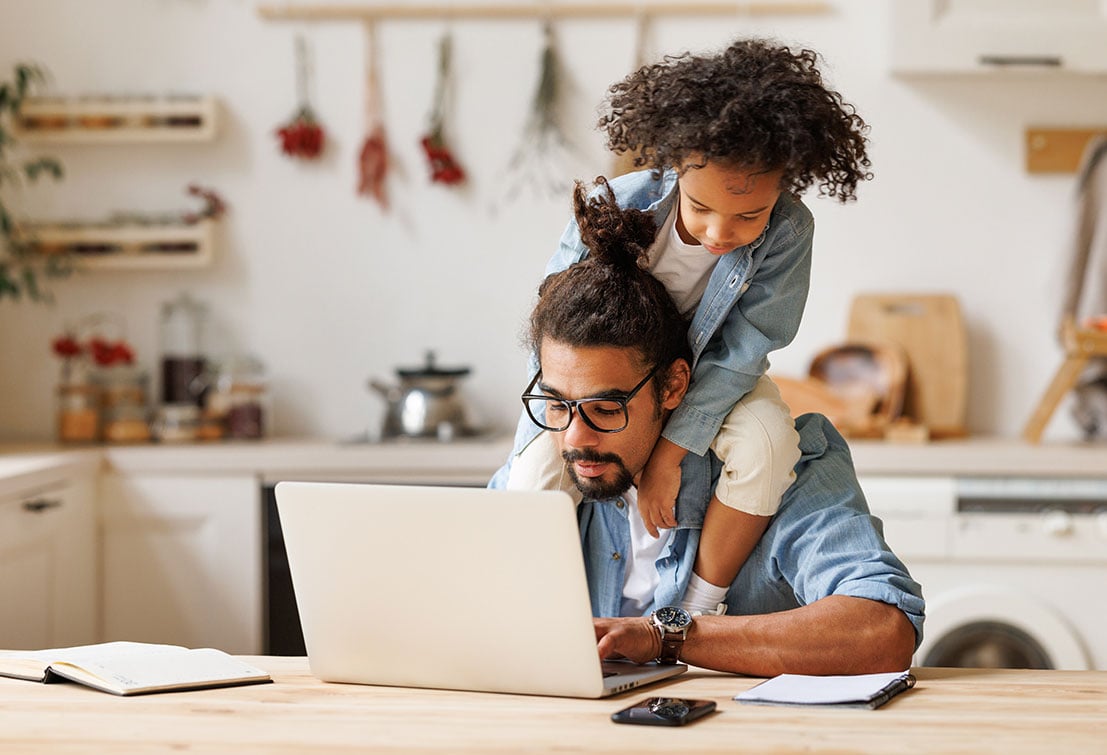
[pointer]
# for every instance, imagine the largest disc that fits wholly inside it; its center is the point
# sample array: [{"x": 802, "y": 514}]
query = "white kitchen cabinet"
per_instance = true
[
  {"x": 48, "y": 578},
  {"x": 181, "y": 559},
  {"x": 979, "y": 36}
]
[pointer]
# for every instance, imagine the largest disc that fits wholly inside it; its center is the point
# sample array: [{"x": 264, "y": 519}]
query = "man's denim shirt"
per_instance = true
[
  {"x": 753, "y": 304},
  {"x": 823, "y": 541}
]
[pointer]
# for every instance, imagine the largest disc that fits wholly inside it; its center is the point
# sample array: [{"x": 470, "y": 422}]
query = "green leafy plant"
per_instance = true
[{"x": 21, "y": 266}]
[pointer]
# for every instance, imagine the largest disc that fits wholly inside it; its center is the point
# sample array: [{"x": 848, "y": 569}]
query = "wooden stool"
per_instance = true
[{"x": 1081, "y": 345}]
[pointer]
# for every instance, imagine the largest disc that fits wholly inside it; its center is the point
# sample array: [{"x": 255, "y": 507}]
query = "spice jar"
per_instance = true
[
  {"x": 177, "y": 423},
  {"x": 123, "y": 413},
  {"x": 78, "y": 403},
  {"x": 78, "y": 413},
  {"x": 241, "y": 398}
]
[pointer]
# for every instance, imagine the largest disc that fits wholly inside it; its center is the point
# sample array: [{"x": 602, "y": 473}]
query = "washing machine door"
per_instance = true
[{"x": 995, "y": 627}]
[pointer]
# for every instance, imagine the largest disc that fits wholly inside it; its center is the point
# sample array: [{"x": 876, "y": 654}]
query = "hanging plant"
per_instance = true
[
  {"x": 303, "y": 136},
  {"x": 373, "y": 157},
  {"x": 21, "y": 265},
  {"x": 544, "y": 156},
  {"x": 444, "y": 167}
]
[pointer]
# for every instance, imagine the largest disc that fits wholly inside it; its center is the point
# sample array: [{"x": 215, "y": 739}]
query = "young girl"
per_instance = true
[{"x": 729, "y": 141}]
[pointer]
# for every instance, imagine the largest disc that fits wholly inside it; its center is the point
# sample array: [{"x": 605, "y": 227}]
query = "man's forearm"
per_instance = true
[{"x": 835, "y": 635}]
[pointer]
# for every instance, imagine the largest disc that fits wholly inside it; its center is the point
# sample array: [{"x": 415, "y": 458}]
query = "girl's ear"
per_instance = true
[{"x": 676, "y": 384}]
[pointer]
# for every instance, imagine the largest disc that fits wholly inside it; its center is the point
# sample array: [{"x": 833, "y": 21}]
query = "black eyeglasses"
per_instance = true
[{"x": 604, "y": 414}]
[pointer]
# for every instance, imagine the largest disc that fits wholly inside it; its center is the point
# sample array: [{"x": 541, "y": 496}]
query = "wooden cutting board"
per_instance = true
[{"x": 930, "y": 330}]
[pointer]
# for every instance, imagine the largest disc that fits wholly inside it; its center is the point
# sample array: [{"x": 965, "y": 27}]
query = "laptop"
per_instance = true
[{"x": 448, "y": 588}]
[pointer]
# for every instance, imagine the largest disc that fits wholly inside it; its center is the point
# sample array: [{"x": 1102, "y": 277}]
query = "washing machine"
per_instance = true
[{"x": 1014, "y": 570}]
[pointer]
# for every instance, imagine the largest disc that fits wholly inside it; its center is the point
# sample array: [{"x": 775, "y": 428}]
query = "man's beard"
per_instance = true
[{"x": 595, "y": 487}]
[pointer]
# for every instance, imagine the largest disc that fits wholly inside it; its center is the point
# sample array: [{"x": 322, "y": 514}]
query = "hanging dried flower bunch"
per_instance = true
[
  {"x": 444, "y": 167},
  {"x": 303, "y": 136},
  {"x": 373, "y": 157},
  {"x": 214, "y": 205},
  {"x": 544, "y": 156}
]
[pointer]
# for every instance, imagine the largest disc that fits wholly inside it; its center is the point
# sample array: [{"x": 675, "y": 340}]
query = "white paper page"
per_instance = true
[
  {"x": 820, "y": 690},
  {"x": 160, "y": 669},
  {"x": 81, "y": 652}
]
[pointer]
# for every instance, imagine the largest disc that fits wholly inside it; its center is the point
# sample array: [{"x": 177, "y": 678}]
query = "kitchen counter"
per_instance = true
[
  {"x": 949, "y": 710},
  {"x": 980, "y": 457},
  {"x": 465, "y": 461},
  {"x": 25, "y": 471},
  {"x": 472, "y": 461}
]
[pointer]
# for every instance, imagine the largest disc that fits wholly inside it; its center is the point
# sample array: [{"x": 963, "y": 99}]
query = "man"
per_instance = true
[{"x": 821, "y": 593}]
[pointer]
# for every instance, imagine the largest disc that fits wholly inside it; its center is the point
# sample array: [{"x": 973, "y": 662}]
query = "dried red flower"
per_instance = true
[
  {"x": 66, "y": 346},
  {"x": 303, "y": 136},
  {"x": 214, "y": 206},
  {"x": 444, "y": 166},
  {"x": 373, "y": 166},
  {"x": 106, "y": 353}
]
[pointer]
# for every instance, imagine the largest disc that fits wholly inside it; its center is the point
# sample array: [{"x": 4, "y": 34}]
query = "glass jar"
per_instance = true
[
  {"x": 78, "y": 403},
  {"x": 124, "y": 417},
  {"x": 240, "y": 397},
  {"x": 177, "y": 423},
  {"x": 182, "y": 360}
]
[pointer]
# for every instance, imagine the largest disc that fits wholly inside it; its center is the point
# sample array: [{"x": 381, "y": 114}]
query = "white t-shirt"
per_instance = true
[
  {"x": 683, "y": 268},
  {"x": 640, "y": 578}
]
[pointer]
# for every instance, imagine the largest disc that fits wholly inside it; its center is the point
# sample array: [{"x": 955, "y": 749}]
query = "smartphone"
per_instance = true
[{"x": 664, "y": 711}]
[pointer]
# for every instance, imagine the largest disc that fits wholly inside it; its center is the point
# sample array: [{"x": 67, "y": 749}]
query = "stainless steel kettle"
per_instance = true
[{"x": 426, "y": 403}]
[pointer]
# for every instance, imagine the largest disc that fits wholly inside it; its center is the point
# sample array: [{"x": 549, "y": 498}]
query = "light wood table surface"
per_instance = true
[{"x": 949, "y": 710}]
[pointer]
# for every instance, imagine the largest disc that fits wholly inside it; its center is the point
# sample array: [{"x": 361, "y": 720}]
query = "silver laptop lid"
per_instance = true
[{"x": 454, "y": 588}]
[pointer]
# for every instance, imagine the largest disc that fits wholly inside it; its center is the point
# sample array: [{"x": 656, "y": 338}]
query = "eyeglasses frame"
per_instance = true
[{"x": 574, "y": 404}]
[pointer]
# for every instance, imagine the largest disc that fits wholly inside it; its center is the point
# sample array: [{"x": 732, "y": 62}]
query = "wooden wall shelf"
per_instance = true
[
  {"x": 90, "y": 120},
  {"x": 1058, "y": 150},
  {"x": 155, "y": 246},
  {"x": 487, "y": 11}
]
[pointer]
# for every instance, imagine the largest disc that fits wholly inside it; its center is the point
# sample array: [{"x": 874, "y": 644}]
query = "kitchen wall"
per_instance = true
[{"x": 329, "y": 290}]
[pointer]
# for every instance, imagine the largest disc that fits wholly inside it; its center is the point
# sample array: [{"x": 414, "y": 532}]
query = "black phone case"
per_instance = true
[{"x": 655, "y": 711}]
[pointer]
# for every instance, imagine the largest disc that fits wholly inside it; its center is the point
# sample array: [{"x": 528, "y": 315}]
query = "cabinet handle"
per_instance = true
[
  {"x": 39, "y": 505},
  {"x": 1031, "y": 61}
]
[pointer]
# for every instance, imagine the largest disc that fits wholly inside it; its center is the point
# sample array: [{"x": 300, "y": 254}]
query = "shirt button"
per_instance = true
[
  {"x": 619, "y": 504},
  {"x": 616, "y": 556}
]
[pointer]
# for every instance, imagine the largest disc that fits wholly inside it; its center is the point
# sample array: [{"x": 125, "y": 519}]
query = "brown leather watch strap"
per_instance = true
[{"x": 671, "y": 645}]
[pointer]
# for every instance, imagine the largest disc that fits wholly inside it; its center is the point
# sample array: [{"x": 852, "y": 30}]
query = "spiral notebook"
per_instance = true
[{"x": 857, "y": 691}]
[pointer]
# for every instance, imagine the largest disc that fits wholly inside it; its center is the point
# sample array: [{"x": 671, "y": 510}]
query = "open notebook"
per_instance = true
[{"x": 456, "y": 588}]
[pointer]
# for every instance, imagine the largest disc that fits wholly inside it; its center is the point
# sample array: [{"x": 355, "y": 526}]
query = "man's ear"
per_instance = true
[{"x": 676, "y": 384}]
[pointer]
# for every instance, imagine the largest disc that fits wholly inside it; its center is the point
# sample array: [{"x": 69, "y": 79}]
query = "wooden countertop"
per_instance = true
[
  {"x": 473, "y": 460},
  {"x": 964, "y": 710}
]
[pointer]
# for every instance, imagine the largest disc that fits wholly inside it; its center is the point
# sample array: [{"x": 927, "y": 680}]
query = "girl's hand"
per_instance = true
[{"x": 659, "y": 485}]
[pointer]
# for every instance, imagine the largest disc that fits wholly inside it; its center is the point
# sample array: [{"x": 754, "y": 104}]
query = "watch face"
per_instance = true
[{"x": 671, "y": 616}]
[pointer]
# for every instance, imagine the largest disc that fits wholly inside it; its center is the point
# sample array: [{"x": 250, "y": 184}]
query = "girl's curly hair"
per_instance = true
[
  {"x": 756, "y": 105},
  {"x": 610, "y": 298}
]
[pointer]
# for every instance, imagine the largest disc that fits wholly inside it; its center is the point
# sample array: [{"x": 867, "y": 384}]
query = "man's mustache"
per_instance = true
[{"x": 588, "y": 455}]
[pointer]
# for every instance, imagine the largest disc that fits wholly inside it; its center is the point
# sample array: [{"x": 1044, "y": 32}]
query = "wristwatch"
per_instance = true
[{"x": 672, "y": 624}]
